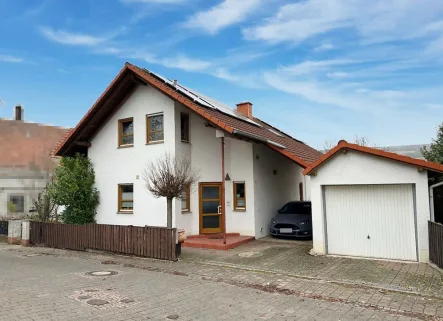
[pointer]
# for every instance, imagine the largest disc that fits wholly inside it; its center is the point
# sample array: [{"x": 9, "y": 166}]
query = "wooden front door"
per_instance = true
[{"x": 210, "y": 208}]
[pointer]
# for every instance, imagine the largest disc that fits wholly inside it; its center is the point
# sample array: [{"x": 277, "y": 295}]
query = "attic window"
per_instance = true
[
  {"x": 275, "y": 132},
  {"x": 126, "y": 132}
]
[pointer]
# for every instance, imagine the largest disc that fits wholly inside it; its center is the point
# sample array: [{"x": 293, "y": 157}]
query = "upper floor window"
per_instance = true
[
  {"x": 239, "y": 196},
  {"x": 184, "y": 127},
  {"x": 126, "y": 132},
  {"x": 154, "y": 126}
]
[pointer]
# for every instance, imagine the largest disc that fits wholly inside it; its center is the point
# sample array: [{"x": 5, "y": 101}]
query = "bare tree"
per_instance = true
[
  {"x": 169, "y": 176},
  {"x": 361, "y": 140},
  {"x": 328, "y": 145},
  {"x": 45, "y": 206},
  {"x": 358, "y": 140}
]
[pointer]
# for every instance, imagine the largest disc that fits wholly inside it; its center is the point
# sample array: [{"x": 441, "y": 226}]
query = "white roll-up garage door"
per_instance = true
[{"x": 375, "y": 221}]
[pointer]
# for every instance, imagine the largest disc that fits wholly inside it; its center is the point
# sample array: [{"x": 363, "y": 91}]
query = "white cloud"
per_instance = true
[
  {"x": 154, "y": 1},
  {"x": 325, "y": 46},
  {"x": 185, "y": 63},
  {"x": 436, "y": 47},
  {"x": 69, "y": 38},
  {"x": 175, "y": 62},
  {"x": 309, "y": 67},
  {"x": 337, "y": 74},
  {"x": 324, "y": 82},
  {"x": 376, "y": 102},
  {"x": 12, "y": 59},
  {"x": 376, "y": 20},
  {"x": 223, "y": 15}
]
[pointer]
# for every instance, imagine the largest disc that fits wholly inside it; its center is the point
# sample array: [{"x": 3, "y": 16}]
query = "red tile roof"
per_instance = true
[
  {"x": 343, "y": 145},
  {"x": 296, "y": 150},
  {"x": 28, "y": 145}
]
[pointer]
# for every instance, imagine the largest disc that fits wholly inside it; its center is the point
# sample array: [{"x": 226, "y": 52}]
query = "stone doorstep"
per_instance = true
[{"x": 217, "y": 244}]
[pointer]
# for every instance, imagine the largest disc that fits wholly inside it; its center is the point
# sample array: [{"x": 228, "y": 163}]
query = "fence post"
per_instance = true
[
  {"x": 14, "y": 232},
  {"x": 26, "y": 228}
]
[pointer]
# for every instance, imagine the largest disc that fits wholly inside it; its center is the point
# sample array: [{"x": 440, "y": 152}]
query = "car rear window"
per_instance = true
[{"x": 296, "y": 208}]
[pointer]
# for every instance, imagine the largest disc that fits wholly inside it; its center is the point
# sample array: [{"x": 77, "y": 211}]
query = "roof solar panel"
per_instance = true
[{"x": 206, "y": 101}]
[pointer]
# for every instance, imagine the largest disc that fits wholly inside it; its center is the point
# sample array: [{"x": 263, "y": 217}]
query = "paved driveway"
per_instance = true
[
  {"x": 45, "y": 284},
  {"x": 293, "y": 258}
]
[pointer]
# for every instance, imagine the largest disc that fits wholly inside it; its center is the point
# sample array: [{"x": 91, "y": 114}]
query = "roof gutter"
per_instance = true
[
  {"x": 258, "y": 138},
  {"x": 431, "y": 199}
]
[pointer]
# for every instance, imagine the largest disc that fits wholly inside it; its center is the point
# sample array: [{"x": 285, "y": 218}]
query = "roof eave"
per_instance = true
[
  {"x": 65, "y": 144},
  {"x": 343, "y": 145}
]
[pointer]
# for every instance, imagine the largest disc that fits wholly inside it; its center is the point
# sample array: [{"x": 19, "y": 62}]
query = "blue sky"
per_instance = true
[{"x": 321, "y": 70}]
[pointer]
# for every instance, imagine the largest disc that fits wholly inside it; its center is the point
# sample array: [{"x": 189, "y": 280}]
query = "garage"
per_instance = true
[
  {"x": 371, "y": 203},
  {"x": 359, "y": 221}
]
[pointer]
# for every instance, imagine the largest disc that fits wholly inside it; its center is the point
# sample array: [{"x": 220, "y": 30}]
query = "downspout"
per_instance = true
[
  {"x": 431, "y": 199},
  {"x": 223, "y": 213}
]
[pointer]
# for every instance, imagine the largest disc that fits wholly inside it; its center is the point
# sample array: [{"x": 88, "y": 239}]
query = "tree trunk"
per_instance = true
[{"x": 169, "y": 216}]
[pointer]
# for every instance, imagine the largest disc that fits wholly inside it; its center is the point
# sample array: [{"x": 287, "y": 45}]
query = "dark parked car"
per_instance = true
[{"x": 293, "y": 219}]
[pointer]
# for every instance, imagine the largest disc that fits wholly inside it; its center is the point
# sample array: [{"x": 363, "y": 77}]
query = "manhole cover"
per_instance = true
[
  {"x": 102, "y": 273},
  {"x": 97, "y": 302},
  {"x": 250, "y": 254}
]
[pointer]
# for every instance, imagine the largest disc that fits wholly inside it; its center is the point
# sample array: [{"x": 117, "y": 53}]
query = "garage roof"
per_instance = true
[{"x": 344, "y": 145}]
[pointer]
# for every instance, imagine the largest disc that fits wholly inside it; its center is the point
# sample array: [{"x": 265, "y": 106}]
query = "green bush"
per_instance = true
[
  {"x": 435, "y": 152},
  {"x": 73, "y": 187}
]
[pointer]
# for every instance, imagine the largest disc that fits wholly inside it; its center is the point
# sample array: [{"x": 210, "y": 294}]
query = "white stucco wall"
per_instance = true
[
  {"x": 355, "y": 168},
  {"x": 273, "y": 190},
  {"x": 204, "y": 150},
  {"x": 115, "y": 165},
  {"x": 20, "y": 182}
]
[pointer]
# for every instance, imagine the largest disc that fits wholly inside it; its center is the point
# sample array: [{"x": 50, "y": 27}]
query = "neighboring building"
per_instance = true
[
  {"x": 25, "y": 162},
  {"x": 371, "y": 203},
  {"x": 142, "y": 115}
]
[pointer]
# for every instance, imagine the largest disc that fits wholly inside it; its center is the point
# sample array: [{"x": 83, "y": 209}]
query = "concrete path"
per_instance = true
[{"x": 292, "y": 258}]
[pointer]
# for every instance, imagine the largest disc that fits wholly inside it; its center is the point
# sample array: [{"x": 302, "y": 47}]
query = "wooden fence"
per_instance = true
[
  {"x": 436, "y": 243},
  {"x": 154, "y": 242}
]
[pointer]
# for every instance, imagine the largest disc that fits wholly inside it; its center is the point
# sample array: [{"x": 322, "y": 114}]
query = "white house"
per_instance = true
[
  {"x": 371, "y": 203},
  {"x": 142, "y": 115}
]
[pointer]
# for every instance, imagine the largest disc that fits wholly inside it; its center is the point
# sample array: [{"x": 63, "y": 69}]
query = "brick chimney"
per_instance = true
[
  {"x": 245, "y": 109},
  {"x": 18, "y": 112}
]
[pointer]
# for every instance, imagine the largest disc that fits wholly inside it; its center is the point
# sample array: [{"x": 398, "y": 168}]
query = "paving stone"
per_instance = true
[
  {"x": 97, "y": 302},
  {"x": 201, "y": 291}
]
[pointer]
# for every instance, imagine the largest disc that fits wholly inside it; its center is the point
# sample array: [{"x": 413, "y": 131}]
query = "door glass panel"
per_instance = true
[
  {"x": 210, "y": 207},
  {"x": 211, "y": 221},
  {"x": 210, "y": 192}
]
